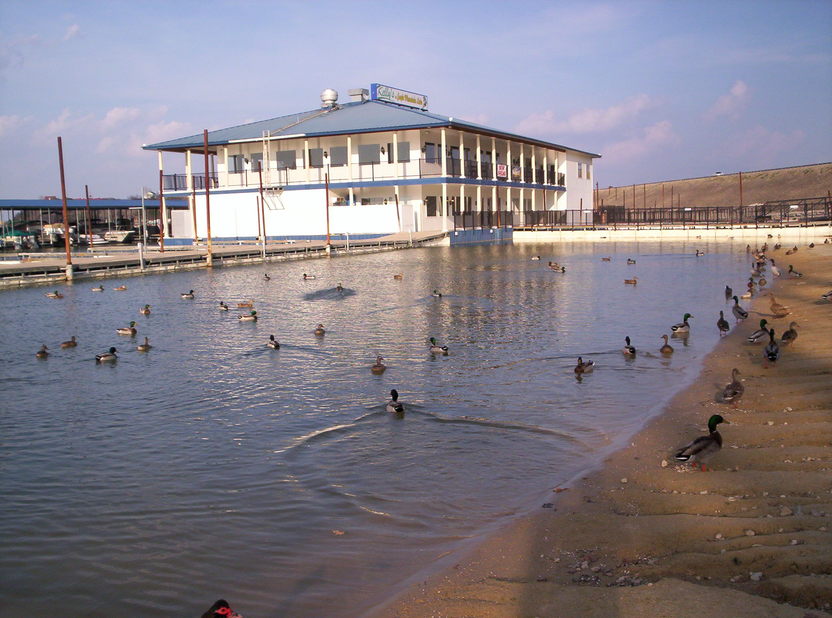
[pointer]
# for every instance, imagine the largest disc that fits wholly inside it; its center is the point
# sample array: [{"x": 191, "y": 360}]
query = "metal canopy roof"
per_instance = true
[
  {"x": 98, "y": 204},
  {"x": 344, "y": 119}
]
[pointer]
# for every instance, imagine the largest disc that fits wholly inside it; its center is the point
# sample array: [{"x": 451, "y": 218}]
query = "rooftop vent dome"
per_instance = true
[{"x": 329, "y": 97}]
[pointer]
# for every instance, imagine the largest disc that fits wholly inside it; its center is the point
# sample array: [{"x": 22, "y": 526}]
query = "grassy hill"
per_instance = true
[{"x": 757, "y": 187}]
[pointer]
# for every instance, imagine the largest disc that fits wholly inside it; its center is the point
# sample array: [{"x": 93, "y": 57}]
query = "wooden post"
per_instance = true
[
  {"x": 89, "y": 217},
  {"x": 65, "y": 212},
  {"x": 740, "y": 189},
  {"x": 209, "y": 259},
  {"x": 262, "y": 212},
  {"x": 163, "y": 214},
  {"x": 326, "y": 185}
]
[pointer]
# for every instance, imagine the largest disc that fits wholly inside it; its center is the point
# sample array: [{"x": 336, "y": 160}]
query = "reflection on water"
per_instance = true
[{"x": 215, "y": 466}]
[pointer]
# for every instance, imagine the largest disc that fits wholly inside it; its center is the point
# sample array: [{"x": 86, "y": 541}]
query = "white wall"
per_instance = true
[{"x": 577, "y": 189}]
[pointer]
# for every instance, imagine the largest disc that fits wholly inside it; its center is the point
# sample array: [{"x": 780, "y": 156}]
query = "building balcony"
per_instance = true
[{"x": 365, "y": 172}]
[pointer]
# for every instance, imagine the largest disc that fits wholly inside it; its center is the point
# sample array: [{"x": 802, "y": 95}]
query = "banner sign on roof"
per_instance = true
[{"x": 380, "y": 92}]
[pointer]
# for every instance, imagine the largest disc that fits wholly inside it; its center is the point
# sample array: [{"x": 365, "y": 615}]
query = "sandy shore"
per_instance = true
[{"x": 645, "y": 537}]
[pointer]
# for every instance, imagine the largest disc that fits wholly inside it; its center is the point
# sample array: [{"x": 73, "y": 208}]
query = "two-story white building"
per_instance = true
[{"x": 376, "y": 165}]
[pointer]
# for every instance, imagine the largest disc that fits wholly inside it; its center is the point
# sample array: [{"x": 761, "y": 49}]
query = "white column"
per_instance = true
[
  {"x": 509, "y": 207},
  {"x": 444, "y": 154},
  {"x": 545, "y": 167},
  {"x": 494, "y": 205},
  {"x": 534, "y": 167},
  {"x": 493, "y": 159},
  {"x": 306, "y": 161},
  {"x": 188, "y": 179},
  {"x": 349, "y": 168},
  {"x": 534, "y": 201},
  {"x": 462, "y": 199},
  {"x": 479, "y": 161},
  {"x": 163, "y": 215},
  {"x": 522, "y": 164},
  {"x": 224, "y": 160},
  {"x": 508, "y": 161},
  {"x": 396, "y": 158},
  {"x": 461, "y": 155},
  {"x": 444, "y": 205},
  {"x": 479, "y": 199}
]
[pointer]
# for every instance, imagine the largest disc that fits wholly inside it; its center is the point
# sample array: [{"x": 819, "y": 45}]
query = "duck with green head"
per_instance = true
[
  {"x": 435, "y": 348},
  {"x": 130, "y": 330},
  {"x": 703, "y": 447},
  {"x": 683, "y": 327},
  {"x": 761, "y": 333}
]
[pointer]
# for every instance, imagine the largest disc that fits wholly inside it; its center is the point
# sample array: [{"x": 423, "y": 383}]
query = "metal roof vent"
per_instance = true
[
  {"x": 359, "y": 95},
  {"x": 329, "y": 97}
]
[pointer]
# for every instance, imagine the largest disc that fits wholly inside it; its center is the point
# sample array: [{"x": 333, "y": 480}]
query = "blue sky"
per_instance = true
[{"x": 662, "y": 90}]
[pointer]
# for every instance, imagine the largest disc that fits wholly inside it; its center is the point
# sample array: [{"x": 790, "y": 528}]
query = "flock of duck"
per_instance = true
[{"x": 703, "y": 447}]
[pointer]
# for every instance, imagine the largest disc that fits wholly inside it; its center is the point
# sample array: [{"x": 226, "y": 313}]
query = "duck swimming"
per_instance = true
[
  {"x": 251, "y": 317},
  {"x": 266, "y": 277},
  {"x": 145, "y": 310},
  {"x": 584, "y": 367},
  {"x": 628, "y": 350},
  {"x": 633, "y": 281},
  {"x": 121, "y": 288},
  {"x": 100, "y": 288},
  {"x": 42, "y": 353},
  {"x": 435, "y": 348},
  {"x": 144, "y": 347},
  {"x": 319, "y": 330},
  {"x": 379, "y": 367},
  {"x": 739, "y": 312},
  {"x": 734, "y": 390},
  {"x": 223, "y": 306},
  {"x": 666, "y": 349},
  {"x": 772, "y": 350},
  {"x": 682, "y": 328},
  {"x": 630, "y": 261},
  {"x": 699, "y": 253},
  {"x": 70, "y": 344},
  {"x": 394, "y": 405},
  {"x": 127, "y": 330},
  {"x": 245, "y": 304},
  {"x": 305, "y": 276},
  {"x": 273, "y": 343},
  {"x": 722, "y": 324},
  {"x": 759, "y": 334},
  {"x": 187, "y": 295},
  {"x": 703, "y": 447},
  {"x": 106, "y": 357},
  {"x": 398, "y": 276},
  {"x": 55, "y": 294},
  {"x": 790, "y": 335},
  {"x": 436, "y": 294}
]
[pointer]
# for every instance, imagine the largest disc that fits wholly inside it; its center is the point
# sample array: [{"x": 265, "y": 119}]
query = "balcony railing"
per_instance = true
[
  {"x": 362, "y": 172},
  {"x": 483, "y": 219}
]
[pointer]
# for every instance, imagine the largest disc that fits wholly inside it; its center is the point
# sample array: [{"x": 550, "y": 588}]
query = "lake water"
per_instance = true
[{"x": 213, "y": 466}]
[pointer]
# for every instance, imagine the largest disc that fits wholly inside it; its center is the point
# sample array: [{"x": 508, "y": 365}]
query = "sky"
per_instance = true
[{"x": 661, "y": 89}]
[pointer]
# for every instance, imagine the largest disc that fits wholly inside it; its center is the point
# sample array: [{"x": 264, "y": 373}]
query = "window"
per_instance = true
[
  {"x": 587, "y": 171},
  {"x": 235, "y": 164},
  {"x": 432, "y": 153},
  {"x": 338, "y": 156},
  {"x": 368, "y": 154},
  {"x": 256, "y": 161},
  {"x": 404, "y": 152},
  {"x": 431, "y": 202},
  {"x": 286, "y": 159},
  {"x": 316, "y": 157}
]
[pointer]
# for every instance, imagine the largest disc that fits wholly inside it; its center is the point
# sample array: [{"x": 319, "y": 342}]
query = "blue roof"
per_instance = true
[{"x": 344, "y": 119}]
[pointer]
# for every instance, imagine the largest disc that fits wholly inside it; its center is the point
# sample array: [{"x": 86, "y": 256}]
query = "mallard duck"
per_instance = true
[
  {"x": 55, "y": 294},
  {"x": 100, "y": 288},
  {"x": 728, "y": 291},
  {"x": 339, "y": 288},
  {"x": 106, "y": 357},
  {"x": 703, "y": 447},
  {"x": 127, "y": 330},
  {"x": 223, "y": 306},
  {"x": 789, "y": 335},
  {"x": 251, "y": 317},
  {"x": 187, "y": 295},
  {"x": 777, "y": 309},
  {"x": 394, "y": 405},
  {"x": 722, "y": 324},
  {"x": 436, "y": 294},
  {"x": 266, "y": 277},
  {"x": 273, "y": 343},
  {"x": 772, "y": 350},
  {"x": 319, "y": 330},
  {"x": 144, "y": 347},
  {"x": 666, "y": 349},
  {"x": 378, "y": 367},
  {"x": 435, "y": 348},
  {"x": 739, "y": 312},
  {"x": 699, "y": 253},
  {"x": 305, "y": 276},
  {"x": 69, "y": 344},
  {"x": 553, "y": 265},
  {"x": 121, "y": 288},
  {"x": 633, "y": 281},
  {"x": 42, "y": 353},
  {"x": 245, "y": 304},
  {"x": 827, "y": 296},
  {"x": 398, "y": 276},
  {"x": 682, "y": 327},
  {"x": 628, "y": 350},
  {"x": 793, "y": 273},
  {"x": 734, "y": 390},
  {"x": 758, "y": 335},
  {"x": 775, "y": 271},
  {"x": 584, "y": 367},
  {"x": 811, "y": 245},
  {"x": 145, "y": 310},
  {"x": 536, "y": 258},
  {"x": 630, "y": 261}
]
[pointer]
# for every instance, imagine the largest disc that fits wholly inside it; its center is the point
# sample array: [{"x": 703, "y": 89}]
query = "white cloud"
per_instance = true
[
  {"x": 763, "y": 145},
  {"x": 585, "y": 121},
  {"x": 119, "y": 116},
  {"x": 651, "y": 138},
  {"x": 730, "y": 104},
  {"x": 7, "y": 123},
  {"x": 72, "y": 31}
]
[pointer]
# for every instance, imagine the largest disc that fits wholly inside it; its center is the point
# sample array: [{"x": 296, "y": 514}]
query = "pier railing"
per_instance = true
[{"x": 782, "y": 213}]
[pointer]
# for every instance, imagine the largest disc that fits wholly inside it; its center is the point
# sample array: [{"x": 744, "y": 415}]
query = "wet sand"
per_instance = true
[{"x": 646, "y": 536}]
